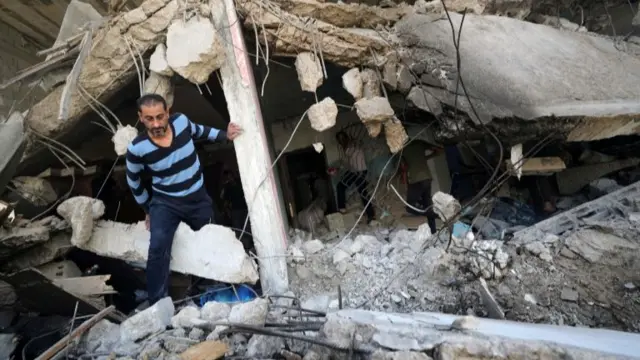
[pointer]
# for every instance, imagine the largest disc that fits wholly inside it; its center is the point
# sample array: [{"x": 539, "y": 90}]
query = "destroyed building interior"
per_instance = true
[{"x": 513, "y": 124}]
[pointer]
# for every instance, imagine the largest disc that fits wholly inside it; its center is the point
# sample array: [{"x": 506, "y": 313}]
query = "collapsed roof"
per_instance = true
[{"x": 520, "y": 79}]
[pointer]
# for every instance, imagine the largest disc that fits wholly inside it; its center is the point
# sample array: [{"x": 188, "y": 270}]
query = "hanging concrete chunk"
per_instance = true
[
  {"x": 352, "y": 82},
  {"x": 158, "y": 61},
  {"x": 375, "y": 109},
  {"x": 374, "y": 129},
  {"x": 194, "y": 49},
  {"x": 395, "y": 134},
  {"x": 122, "y": 138},
  {"x": 323, "y": 114},
  {"x": 423, "y": 100},
  {"x": 80, "y": 212},
  {"x": 370, "y": 83},
  {"x": 309, "y": 71},
  {"x": 213, "y": 252},
  {"x": 161, "y": 85}
]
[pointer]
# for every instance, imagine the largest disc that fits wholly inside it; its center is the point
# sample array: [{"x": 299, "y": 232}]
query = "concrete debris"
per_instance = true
[
  {"x": 518, "y": 9},
  {"x": 539, "y": 249},
  {"x": 122, "y": 138},
  {"x": 557, "y": 22},
  {"x": 250, "y": 313},
  {"x": 488, "y": 259},
  {"x": 313, "y": 246},
  {"x": 374, "y": 109},
  {"x": 58, "y": 246},
  {"x": 352, "y": 82},
  {"x": 423, "y": 100},
  {"x": 601, "y": 247},
  {"x": 374, "y": 129},
  {"x": 188, "y": 317},
  {"x": 323, "y": 115},
  {"x": 395, "y": 135},
  {"x": 446, "y": 206},
  {"x": 263, "y": 346},
  {"x": 36, "y": 190},
  {"x": 309, "y": 71},
  {"x": 370, "y": 84},
  {"x": 158, "y": 61},
  {"x": 16, "y": 240},
  {"x": 494, "y": 309},
  {"x": 193, "y": 251},
  {"x": 194, "y": 49},
  {"x": 568, "y": 294},
  {"x": 80, "y": 212},
  {"x": 153, "y": 319},
  {"x": 161, "y": 85},
  {"x": 214, "y": 311}
]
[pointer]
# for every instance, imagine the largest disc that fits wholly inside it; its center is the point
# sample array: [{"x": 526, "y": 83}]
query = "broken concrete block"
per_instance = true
[
  {"x": 263, "y": 346},
  {"x": 370, "y": 83},
  {"x": 134, "y": 16},
  {"x": 389, "y": 75},
  {"x": 374, "y": 109},
  {"x": 399, "y": 355},
  {"x": 214, "y": 311},
  {"x": 37, "y": 191},
  {"x": 194, "y": 49},
  {"x": 151, "y": 320},
  {"x": 188, "y": 317},
  {"x": 568, "y": 294},
  {"x": 309, "y": 71},
  {"x": 405, "y": 78},
  {"x": 374, "y": 129},
  {"x": 250, "y": 313},
  {"x": 446, "y": 206},
  {"x": 423, "y": 100},
  {"x": 80, "y": 212},
  {"x": 122, "y": 138},
  {"x": 101, "y": 337},
  {"x": 158, "y": 61},
  {"x": 15, "y": 240},
  {"x": 395, "y": 135},
  {"x": 161, "y": 85},
  {"x": 58, "y": 246},
  {"x": 313, "y": 246},
  {"x": 213, "y": 252},
  {"x": 323, "y": 115},
  {"x": 352, "y": 82},
  {"x": 335, "y": 221}
]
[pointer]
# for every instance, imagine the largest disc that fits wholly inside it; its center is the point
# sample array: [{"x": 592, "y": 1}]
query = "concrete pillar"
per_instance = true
[{"x": 252, "y": 151}]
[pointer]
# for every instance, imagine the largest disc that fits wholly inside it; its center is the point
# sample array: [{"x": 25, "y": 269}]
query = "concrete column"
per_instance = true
[{"x": 252, "y": 151}]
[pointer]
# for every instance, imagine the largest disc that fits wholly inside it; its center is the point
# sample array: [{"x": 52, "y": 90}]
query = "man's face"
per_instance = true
[{"x": 155, "y": 118}]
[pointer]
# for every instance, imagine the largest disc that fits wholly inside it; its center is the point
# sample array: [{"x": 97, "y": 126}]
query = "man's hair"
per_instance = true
[{"x": 151, "y": 99}]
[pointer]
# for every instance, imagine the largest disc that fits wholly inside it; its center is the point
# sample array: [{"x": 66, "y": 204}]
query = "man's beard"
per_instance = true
[{"x": 159, "y": 131}]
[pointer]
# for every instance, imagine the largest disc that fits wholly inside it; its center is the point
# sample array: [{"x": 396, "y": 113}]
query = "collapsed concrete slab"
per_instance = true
[{"x": 213, "y": 252}]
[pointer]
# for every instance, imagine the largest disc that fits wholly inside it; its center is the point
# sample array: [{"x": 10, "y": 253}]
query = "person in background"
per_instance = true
[
  {"x": 166, "y": 151},
  {"x": 355, "y": 174},
  {"x": 415, "y": 156}
]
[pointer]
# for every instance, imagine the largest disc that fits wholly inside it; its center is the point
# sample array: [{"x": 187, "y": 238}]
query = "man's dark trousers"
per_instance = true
[
  {"x": 419, "y": 196},
  {"x": 166, "y": 213}
]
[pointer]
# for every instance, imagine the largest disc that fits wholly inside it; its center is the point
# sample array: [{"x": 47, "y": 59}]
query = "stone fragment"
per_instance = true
[
  {"x": 370, "y": 84},
  {"x": 161, "y": 85},
  {"x": 196, "y": 334},
  {"x": 395, "y": 135},
  {"x": 193, "y": 252},
  {"x": 374, "y": 129},
  {"x": 323, "y": 115},
  {"x": 317, "y": 303},
  {"x": 80, "y": 212},
  {"x": 215, "y": 334},
  {"x": 405, "y": 78},
  {"x": 188, "y": 317},
  {"x": 58, "y": 246},
  {"x": 352, "y": 82},
  {"x": 389, "y": 75},
  {"x": 263, "y": 346},
  {"x": 374, "y": 109},
  {"x": 122, "y": 138},
  {"x": 530, "y": 299},
  {"x": 568, "y": 294},
  {"x": 399, "y": 355},
  {"x": 493, "y": 308},
  {"x": 538, "y": 249},
  {"x": 313, "y": 246},
  {"x": 295, "y": 254},
  {"x": 309, "y": 71},
  {"x": 158, "y": 61},
  {"x": 101, "y": 337},
  {"x": 335, "y": 221},
  {"x": 423, "y": 100},
  {"x": 446, "y": 206},
  {"x": 15, "y": 240},
  {"x": 151, "y": 320},
  {"x": 214, "y": 311},
  {"x": 37, "y": 191},
  {"x": 251, "y": 313},
  {"x": 194, "y": 49}
]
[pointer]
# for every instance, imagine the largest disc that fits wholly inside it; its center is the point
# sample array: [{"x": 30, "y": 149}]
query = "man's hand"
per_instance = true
[
  {"x": 147, "y": 222},
  {"x": 233, "y": 130}
]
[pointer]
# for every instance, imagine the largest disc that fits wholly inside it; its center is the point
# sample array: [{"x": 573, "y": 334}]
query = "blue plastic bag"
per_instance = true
[{"x": 226, "y": 294}]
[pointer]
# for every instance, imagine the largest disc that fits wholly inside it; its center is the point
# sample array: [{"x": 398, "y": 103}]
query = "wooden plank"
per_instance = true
[
  {"x": 67, "y": 341},
  {"x": 540, "y": 165},
  {"x": 208, "y": 350},
  {"x": 42, "y": 40},
  {"x": 32, "y": 287},
  {"x": 86, "y": 285}
]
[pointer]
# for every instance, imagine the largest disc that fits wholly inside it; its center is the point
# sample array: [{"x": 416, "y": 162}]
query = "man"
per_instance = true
[
  {"x": 355, "y": 175},
  {"x": 167, "y": 153},
  {"x": 415, "y": 156}
]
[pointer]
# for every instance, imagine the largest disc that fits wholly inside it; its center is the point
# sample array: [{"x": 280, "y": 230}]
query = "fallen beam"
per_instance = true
[
  {"x": 213, "y": 252},
  {"x": 538, "y": 166}
]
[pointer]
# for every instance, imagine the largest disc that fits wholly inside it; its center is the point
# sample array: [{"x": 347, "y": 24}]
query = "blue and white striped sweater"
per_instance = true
[{"x": 175, "y": 170}]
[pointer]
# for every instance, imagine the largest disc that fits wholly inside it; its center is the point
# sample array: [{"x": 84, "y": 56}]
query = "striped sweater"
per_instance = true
[{"x": 175, "y": 170}]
